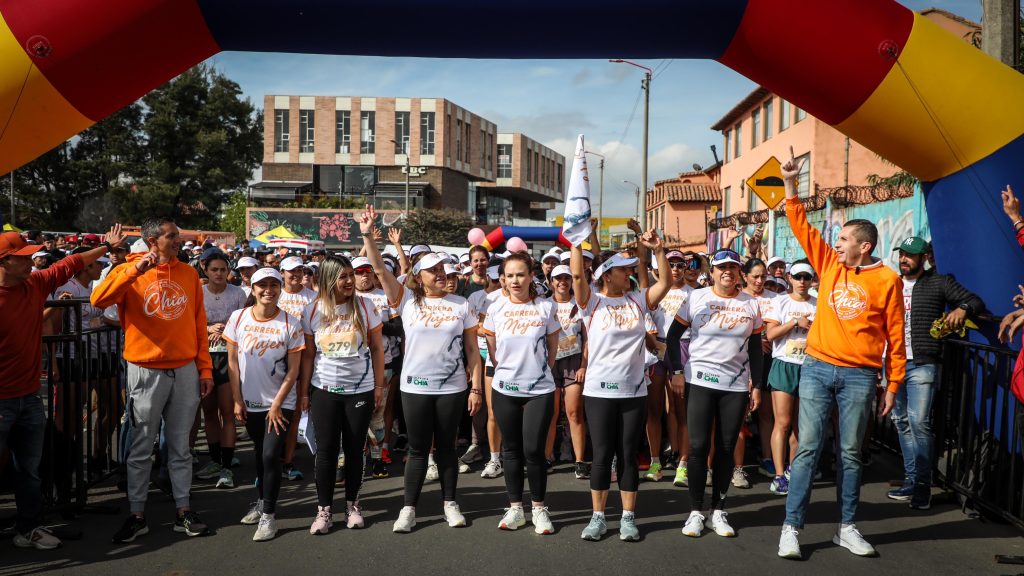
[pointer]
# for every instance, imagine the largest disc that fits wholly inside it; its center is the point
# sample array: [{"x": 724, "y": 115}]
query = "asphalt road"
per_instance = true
[{"x": 942, "y": 540}]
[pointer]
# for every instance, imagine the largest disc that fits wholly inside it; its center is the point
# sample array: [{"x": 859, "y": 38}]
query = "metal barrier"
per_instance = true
[{"x": 83, "y": 382}]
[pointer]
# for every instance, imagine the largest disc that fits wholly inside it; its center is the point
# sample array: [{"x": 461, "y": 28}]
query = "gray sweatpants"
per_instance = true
[{"x": 172, "y": 395}]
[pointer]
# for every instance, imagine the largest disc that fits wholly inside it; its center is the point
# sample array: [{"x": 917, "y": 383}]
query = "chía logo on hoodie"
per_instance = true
[
  {"x": 848, "y": 300},
  {"x": 164, "y": 299}
]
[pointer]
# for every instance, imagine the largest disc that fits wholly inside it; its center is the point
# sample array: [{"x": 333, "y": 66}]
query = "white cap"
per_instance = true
[
  {"x": 566, "y": 254},
  {"x": 428, "y": 262},
  {"x": 464, "y": 257},
  {"x": 418, "y": 249},
  {"x": 724, "y": 257},
  {"x": 561, "y": 270},
  {"x": 263, "y": 273},
  {"x": 139, "y": 246},
  {"x": 780, "y": 281},
  {"x": 504, "y": 254},
  {"x": 450, "y": 269},
  {"x": 616, "y": 261},
  {"x": 291, "y": 263},
  {"x": 492, "y": 272},
  {"x": 361, "y": 262},
  {"x": 389, "y": 265},
  {"x": 40, "y": 254},
  {"x": 553, "y": 253},
  {"x": 197, "y": 248},
  {"x": 467, "y": 270},
  {"x": 312, "y": 264},
  {"x": 189, "y": 244},
  {"x": 775, "y": 260},
  {"x": 801, "y": 267},
  {"x": 246, "y": 262}
]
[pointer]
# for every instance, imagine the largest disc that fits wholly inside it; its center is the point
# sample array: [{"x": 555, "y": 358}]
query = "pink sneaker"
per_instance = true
[
  {"x": 355, "y": 515},
  {"x": 322, "y": 523}
]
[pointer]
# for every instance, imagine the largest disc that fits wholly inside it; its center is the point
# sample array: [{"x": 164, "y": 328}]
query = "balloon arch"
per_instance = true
[{"x": 878, "y": 72}]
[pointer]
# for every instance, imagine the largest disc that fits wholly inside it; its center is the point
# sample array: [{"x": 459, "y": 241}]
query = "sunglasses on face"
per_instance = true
[{"x": 803, "y": 276}]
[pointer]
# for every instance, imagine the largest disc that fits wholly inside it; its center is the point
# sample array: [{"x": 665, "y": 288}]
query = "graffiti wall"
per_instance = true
[
  {"x": 337, "y": 228},
  {"x": 896, "y": 220}
]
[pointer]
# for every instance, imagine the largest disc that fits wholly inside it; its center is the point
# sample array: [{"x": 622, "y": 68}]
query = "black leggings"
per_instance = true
[
  {"x": 724, "y": 410},
  {"x": 524, "y": 432},
  {"x": 268, "y": 447},
  {"x": 616, "y": 427},
  {"x": 432, "y": 418},
  {"x": 347, "y": 416}
]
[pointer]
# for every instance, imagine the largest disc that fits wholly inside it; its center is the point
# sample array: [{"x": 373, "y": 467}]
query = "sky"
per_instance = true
[{"x": 552, "y": 101}]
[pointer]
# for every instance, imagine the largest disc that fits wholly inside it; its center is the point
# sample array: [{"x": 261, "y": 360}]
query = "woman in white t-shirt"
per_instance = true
[
  {"x": 342, "y": 382},
  {"x": 439, "y": 329},
  {"x": 717, "y": 382},
  {"x": 220, "y": 299},
  {"x": 484, "y": 421},
  {"x": 788, "y": 324},
  {"x": 756, "y": 283},
  {"x": 264, "y": 348},
  {"x": 614, "y": 391},
  {"x": 570, "y": 365},
  {"x": 521, "y": 329}
]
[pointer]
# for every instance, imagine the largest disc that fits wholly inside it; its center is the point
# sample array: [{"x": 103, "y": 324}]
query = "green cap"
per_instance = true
[{"x": 914, "y": 245}]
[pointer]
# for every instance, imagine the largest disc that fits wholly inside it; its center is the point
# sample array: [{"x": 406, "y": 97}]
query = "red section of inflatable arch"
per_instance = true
[
  {"x": 101, "y": 54},
  {"x": 822, "y": 53}
]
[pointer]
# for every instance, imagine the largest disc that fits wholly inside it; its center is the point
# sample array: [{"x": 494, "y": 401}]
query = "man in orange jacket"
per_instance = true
[
  {"x": 160, "y": 301},
  {"x": 860, "y": 315}
]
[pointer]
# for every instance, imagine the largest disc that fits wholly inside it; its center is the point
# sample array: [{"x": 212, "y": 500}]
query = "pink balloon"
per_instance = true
[
  {"x": 476, "y": 237},
  {"x": 516, "y": 244}
]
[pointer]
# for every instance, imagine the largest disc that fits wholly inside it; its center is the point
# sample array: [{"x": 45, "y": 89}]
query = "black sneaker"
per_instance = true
[
  {"x": 379, "y": 469},
  {"x": 190, "y": 524},
  {"x": 401, "y": 443},
  {"x": 922, "y": 498},
  {"x": 582, "y": 470},
  {"x": 132, "y": 527}
]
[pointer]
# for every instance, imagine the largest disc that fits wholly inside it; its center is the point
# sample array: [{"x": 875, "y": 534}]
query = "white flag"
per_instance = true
[{"x": 576, "y": 223}]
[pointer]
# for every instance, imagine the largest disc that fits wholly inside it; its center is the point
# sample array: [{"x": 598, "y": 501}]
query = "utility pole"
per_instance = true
[
  {"x": 646, "y": 85},
  {"x": 600, "y": 193},
  {"x": 1000, "y": 36}
]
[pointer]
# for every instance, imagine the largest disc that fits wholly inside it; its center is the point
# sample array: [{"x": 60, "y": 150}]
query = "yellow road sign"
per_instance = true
[{"x": 767, "y": 183}]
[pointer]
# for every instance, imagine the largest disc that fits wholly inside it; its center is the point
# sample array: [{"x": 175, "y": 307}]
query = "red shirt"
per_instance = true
[{"x": 21, "y": 327}]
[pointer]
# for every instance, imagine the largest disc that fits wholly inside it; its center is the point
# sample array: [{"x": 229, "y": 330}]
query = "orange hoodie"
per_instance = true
[
  {"x": 162, "y": 314},
  {"x": 860, "y": 309}
]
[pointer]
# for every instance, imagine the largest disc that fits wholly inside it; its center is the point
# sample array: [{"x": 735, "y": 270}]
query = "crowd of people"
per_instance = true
[{"x": 660, "y": 360}]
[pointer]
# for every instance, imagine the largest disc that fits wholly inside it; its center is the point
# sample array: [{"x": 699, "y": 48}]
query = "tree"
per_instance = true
[
  {"x": 441, "y": 227},
  {"x": 232, "y": 217}
]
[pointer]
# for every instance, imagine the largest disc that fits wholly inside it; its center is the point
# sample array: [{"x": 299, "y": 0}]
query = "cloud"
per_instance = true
[
  {"x": 544, "y": 71},
  {"x": 581, "y": 77}
]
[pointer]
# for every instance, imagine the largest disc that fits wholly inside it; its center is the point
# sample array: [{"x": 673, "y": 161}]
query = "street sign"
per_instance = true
[{"x": 767, "y": 183}]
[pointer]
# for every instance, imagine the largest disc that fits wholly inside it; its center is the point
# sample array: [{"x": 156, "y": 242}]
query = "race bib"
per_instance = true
[
  {"x": 219, "y": 347},
  {"x": 337, "y": 344},
  {"x": 796, "y": 349},
  {"x": 568, "y": 346}
]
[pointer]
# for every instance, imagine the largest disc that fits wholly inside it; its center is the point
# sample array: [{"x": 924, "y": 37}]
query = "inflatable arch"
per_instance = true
[{"x": 875, "y": 70}]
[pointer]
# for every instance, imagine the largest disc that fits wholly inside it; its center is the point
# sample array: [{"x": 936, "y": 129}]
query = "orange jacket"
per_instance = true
[
  {"x": 860, "y": 309},
  {"x": 162, "y": 314}
]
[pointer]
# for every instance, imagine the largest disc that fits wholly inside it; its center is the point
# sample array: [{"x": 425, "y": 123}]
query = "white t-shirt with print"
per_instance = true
[
  {"x": 669, "y": 307},
  {"x": 342, "y": 364},
  {"x": 295, "y": 304},
  {"x": 792, "y": 347},
  {"x": 434, "y": 330},
  {"x": 908, "y": 298},
  {"x": 521, "y": 332},
  {"x": 615, "y": 342},
  {"x": 392, "y": 344},
  {"x": 570, "y": 317},
  {"x": 719, "y": 329},
  {"x": 220, "y": 306},
  {"x": 263, "y": 348},
  {"x": 479, "y": 302}
]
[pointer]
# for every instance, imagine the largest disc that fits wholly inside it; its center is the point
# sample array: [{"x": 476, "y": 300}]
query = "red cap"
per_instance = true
[
  {"x": 12, "y": 244},
  {"x": 71, "y": 238},
  {"x": 91, "y": 239}
]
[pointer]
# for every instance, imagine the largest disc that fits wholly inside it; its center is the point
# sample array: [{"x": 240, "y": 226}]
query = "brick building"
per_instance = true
[
  {"x": 681, "y": 207},
  {"x": 374, "y": 148}
]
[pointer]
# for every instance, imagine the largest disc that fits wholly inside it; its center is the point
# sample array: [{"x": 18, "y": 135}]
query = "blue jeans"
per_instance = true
[
  {"x": 22, "y": 428},
  {"x": 824, "y": 387},
  {"x": 912, "y": 415}
]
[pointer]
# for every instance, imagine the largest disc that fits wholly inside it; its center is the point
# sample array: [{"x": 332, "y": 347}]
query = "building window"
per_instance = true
[
  {"x": 466, "y": 142},
  {"x": 490, "y": 152},
  {"x": 504, "y": 160},
  {"x": 427, "y": 133},
  {"x": 281, "y": 131},
  {"x": 737, "y": 141},
  {"x": 342, "y": 131},
  {"x": 536, "y": 167},
  {"x": 561, "y": 174},
  {"x": 803, "y": 179},
  {"x": 751, "y": 199},
  {"x": 366, "y": 132},
  {"x": 529, "y": 167},
  {"x": 483, "y": 149},
  {"x": 728, "y": 197},
  {"x": 767, "y": 120},
  {"x": 402, "y": 132},
  {"x": 755, "y": 123},
  {"x": 306, "y": 129},
  {"x": 448, "y": 137},
  {"x": 458, "y": 140},
  {"x": 728, "y": 140},
  {"x": 800, "y": 114},
  {"x": 784, "y": 111}
]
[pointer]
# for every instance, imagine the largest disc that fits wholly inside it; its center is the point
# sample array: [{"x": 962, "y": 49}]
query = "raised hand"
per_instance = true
[
  {"x": 791, "y": 169},
  {"x": 395, "y": 236},
  {"x": 1011, "y": 205},
  {"x": 115, "y": 237},
  {"x": 730, "y": 236},
  {"x": 634, "y": 226},
  {"x": 367, "y": 222},
  {"x": 650, "y": 240},
  {"x": 148, "y": 261}
]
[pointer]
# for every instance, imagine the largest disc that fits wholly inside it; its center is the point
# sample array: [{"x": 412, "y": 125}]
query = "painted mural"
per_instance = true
[{"x": 337, "y": 228}]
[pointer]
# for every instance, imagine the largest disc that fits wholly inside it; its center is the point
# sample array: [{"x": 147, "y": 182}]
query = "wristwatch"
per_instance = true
[{"x": 678, "y": 372}]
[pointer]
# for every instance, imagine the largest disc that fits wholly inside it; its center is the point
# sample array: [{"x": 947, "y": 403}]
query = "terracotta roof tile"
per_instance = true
[{"x": 693, "y": 192}]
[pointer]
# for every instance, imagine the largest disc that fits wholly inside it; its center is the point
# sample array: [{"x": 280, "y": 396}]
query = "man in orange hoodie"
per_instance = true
[
  {"x": 160, "y": 301},
  {"x": 860, "y": 315}
]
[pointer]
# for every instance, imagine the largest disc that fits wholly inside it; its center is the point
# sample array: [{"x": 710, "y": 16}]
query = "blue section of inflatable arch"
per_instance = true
[{"x": 486, "y": 29}]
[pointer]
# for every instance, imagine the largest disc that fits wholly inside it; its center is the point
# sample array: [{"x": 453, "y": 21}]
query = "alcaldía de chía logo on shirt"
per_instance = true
[
  {"x": 848, "y": 300},
  {"x": 164, "y": 299}
]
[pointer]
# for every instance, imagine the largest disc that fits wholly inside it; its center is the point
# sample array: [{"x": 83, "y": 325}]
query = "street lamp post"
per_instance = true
[
  {"x": 637, "y": 186},
  {"x": 645, "y": 84},
  {"x": 600, "y": 193}
]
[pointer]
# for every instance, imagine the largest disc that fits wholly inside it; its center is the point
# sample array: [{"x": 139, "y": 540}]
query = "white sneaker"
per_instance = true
[
  {"x": 720, "y": 524},
  {"x": 789, "y": 545},
  {"x": 406, "y": 520},
  {"x": 542, "y": 521},
  {"x": 227, "y": 478},
  {"x": 493, "y": 469},
  {"x": 432, "y": 474},
  {"x": 463, "y": 467},
  {"x": 694, "y": 524},
  {"x": 739, "y": 478},
  {"x": 513, "y": 519},
  {"x": 850, "y": 538},
  {"x": 266, "y": 530},
  {"x": 39, "y": 538},
  {"x": 253, "y": 515},
  {"x": 453, "y": 515}
]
